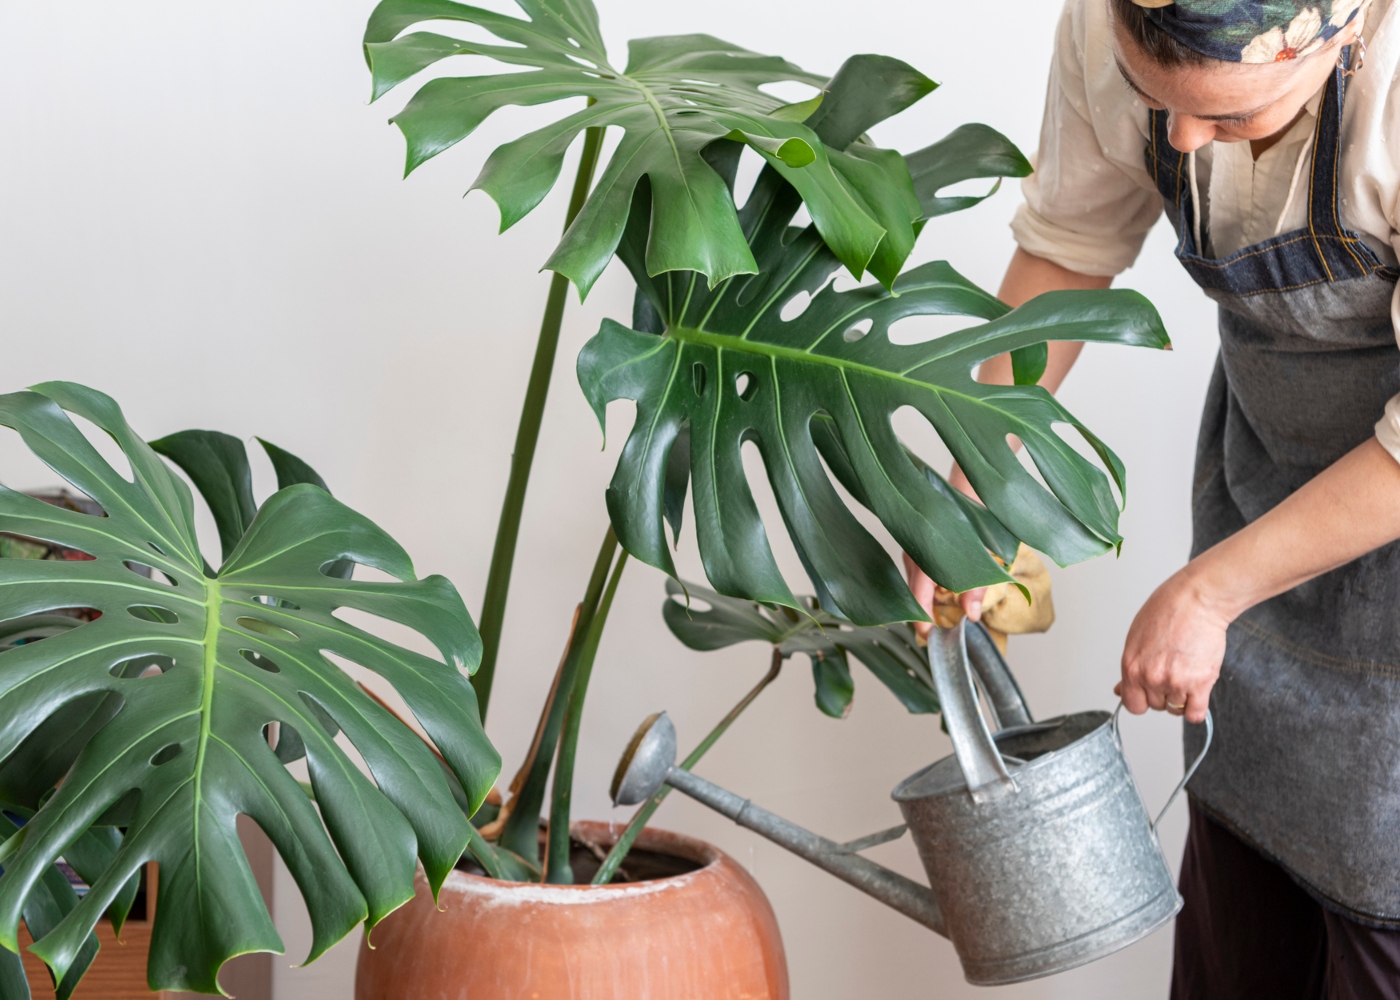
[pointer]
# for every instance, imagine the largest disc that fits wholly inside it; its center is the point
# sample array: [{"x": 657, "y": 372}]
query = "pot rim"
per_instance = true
[{"x": 706, "y": 855}]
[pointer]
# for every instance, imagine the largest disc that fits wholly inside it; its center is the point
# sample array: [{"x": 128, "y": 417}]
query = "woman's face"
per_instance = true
[{"x": 1228, "y": 102}]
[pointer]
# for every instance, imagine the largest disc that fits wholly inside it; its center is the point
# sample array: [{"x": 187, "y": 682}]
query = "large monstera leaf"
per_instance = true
[
  {"x": 891, "y": 652},
  {"x": 202, "y": 664},
  {"x": 823, "y": 386},
  {"x": 675, "y": 98}
]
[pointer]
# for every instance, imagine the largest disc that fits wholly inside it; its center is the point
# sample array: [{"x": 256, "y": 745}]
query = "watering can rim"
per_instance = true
[
  {"x": 954, "y": 654},
  {"x": 900, "y": 792}
]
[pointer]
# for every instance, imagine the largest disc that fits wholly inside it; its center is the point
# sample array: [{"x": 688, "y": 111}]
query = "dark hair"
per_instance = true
[{"x": 1147, "y": 35}]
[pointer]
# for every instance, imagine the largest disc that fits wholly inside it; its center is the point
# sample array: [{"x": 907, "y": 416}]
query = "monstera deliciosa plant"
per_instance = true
[
  {"x": 142, "y": 734},
  {"x": 713, "y": 357}
]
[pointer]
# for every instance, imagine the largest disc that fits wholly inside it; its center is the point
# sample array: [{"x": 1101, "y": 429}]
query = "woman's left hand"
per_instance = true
[
  {"x": 1174, "y": 650},
  {"x": 1177, "y": 642}
]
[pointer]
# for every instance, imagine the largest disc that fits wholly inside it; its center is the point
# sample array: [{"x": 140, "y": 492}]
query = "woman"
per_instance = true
[{"x": 1268, "y": 131}]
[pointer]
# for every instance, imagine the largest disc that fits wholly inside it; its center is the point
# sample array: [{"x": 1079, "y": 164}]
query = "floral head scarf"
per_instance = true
[{"x": 1252, "y": 31}]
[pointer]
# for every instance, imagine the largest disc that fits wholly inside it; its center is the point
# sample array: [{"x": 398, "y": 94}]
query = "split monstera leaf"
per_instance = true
[
  {"x": 677, "y": 96},
  {"x": 186, "y": 671},
  {"x": 711, "y": 368}
]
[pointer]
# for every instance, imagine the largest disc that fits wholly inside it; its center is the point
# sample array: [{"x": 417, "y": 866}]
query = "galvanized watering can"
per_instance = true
[{"x": 1035, "y": 840}]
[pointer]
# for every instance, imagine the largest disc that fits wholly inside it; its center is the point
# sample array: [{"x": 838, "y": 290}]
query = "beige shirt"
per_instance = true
[{"x": 1090, "y": 203}]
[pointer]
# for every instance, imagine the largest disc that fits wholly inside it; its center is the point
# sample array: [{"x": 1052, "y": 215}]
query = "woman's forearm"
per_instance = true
[
  {"x": 1028, "y": 276},
  {"x": 1348, "y": 510},
  {"x": 1177, "y": 641}
]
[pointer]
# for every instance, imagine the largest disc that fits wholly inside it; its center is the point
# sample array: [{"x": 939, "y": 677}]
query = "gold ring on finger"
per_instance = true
[{"x": 1170, "y": 705}]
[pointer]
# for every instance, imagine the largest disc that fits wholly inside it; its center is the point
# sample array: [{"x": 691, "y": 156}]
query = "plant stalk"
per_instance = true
[
  {"x": 619, "y": 851},
  {"x": 558, "y": 871},
  {"x": 527, "y": 436},
  {"x": 521, "y": 833}
]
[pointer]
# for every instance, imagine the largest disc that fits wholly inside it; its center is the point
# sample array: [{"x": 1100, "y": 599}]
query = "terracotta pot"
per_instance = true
[{"x": 708, "y": 934}]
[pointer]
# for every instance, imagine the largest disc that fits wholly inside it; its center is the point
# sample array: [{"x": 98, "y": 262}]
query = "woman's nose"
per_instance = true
[{"x": 1188, "y": 134}]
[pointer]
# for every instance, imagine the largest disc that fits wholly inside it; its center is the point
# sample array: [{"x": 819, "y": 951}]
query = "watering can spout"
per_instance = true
[{"x": 650, "y": 762}]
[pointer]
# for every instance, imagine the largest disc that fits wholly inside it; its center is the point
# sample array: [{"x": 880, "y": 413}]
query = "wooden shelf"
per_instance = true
[{"x": 119, "y": 971}]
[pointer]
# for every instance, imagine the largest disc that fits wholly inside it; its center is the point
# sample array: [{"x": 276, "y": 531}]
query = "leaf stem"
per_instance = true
[
  {"x": 521, "y": 833},
  {"x": 619, "y": 851},
  {"x": 527, "y": 435},
  {"x": 558, "y": 871}
]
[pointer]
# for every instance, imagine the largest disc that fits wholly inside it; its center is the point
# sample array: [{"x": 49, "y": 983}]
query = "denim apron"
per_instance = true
[{"x": 1306, "y": 759}]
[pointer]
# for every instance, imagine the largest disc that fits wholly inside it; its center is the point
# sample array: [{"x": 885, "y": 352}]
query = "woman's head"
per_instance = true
[{"x": 1229, "y": 70}]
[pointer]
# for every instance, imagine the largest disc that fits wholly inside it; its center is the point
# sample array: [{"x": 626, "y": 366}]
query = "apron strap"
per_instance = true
[{"x": 1324, "y": 210}]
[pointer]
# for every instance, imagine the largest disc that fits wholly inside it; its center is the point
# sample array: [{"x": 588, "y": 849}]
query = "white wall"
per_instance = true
[{"x": 202, "y": 217}]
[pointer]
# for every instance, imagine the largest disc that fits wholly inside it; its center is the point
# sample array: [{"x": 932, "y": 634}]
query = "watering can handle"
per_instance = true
[
  {"x": 981, "y": 763},
  {"x": 1210, "y": 734},
  {"x": 1007, "y": 703}
]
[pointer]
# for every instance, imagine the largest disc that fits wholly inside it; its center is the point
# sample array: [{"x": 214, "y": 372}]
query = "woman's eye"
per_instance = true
[{"x": 1141, "y": 96}]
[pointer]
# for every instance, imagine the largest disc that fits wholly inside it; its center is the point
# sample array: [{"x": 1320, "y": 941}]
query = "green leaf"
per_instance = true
[
  {"x": 49, "y": 902},
  {"x": 992, "y": 533},
  {"x": 187, "y": 754},
  {"x": 500, "y": 863},
  {"x": 831, "y": 676},
  {"x": 798, "y": 112},
  {"x": 866, "y": 90},
  {"x": 891, "y": 652},
  {"x": 793, "y": 152},
  {"x": 969, "y": 152},
  {"x": 994, "y": 536},
  {"x": 38, "y": 764},
  {"x": 292, "y": 471},
  {"x": 217, "y": 464},
  {"x": 677, "y": 482},
  {"x": 30, "y": 773},
  {"x": 1028, "y": 363},
  {"x": 51, "y": 899},
  {"x": 90, "y": 855},
  {"x": 14, "y": 984},
  {"x": 677, "y": 96},
  {"x": 733, "y": 370}
]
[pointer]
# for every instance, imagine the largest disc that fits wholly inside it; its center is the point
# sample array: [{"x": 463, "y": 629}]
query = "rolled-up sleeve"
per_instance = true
[
  {"x": 1381, "y": 177},
  {"x": 1090, "y": 202},
  {"x": 1388, "y": 426}
]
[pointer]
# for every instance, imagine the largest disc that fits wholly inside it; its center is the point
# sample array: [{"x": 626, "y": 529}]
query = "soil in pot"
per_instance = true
[{"x": 586, "y": 858}]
